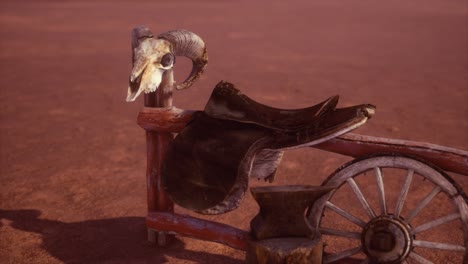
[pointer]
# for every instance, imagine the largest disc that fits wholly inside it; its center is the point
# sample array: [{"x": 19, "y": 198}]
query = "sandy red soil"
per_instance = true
[{"x": 72, "y": 164}]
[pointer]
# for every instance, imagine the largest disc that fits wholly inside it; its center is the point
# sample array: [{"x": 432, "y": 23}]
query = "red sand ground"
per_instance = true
[{"x": 72, "y": 186}]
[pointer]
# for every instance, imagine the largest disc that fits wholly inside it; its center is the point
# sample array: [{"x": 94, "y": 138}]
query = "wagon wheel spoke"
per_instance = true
[
  {"x": 436, "y": 222},
  {"x": 361, "y": 197},
  {"x": 423, "y": 203},
  {"x": 340, "y": 233},
  {"x": 381, "y": 190},
  {"x": 419, "y": 258},
  {"x": 347, "y": 253},
  {"x": 345, "y": 214},
  {"x": 381, "y": 224},
  {"x": 403, "y": 192},
  {"x": 436, "y": 245}
]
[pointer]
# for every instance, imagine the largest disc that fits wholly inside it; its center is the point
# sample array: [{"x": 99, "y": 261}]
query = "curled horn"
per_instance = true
[{"x": 188, "y": 44}]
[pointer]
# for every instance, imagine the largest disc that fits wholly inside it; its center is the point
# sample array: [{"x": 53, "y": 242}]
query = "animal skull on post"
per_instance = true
[{"x": 154, "y": 56}]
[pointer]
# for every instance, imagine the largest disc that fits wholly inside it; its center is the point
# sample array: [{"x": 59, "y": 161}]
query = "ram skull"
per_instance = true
[{"x": 154, "y": 56}]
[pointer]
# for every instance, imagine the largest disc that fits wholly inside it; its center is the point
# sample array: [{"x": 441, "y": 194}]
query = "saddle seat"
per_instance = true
[
  {"x": 209, "y": 163},
  {"x": 228, "y": 103}
]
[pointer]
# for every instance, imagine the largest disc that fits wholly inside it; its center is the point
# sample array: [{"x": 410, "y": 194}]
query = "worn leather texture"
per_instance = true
[{"x": 209, "y": 163}]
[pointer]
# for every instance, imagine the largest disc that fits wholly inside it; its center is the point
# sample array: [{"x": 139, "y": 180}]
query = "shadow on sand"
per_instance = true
[{"x": 121, "y": 240}]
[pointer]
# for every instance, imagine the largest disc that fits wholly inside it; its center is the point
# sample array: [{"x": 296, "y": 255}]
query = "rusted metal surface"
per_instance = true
[
  {"x": 355, "y": 145},
  {"x": 198, "y": 228},
  {"x": 387, "y": 239},
  {"x": 282, "y": 210}
]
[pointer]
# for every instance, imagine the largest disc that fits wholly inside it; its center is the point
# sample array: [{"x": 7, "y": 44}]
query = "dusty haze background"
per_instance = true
[{"x": 72, "y": 186}]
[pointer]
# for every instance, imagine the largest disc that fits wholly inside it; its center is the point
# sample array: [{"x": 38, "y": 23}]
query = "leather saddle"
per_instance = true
[{"x": 209, "y": 163}]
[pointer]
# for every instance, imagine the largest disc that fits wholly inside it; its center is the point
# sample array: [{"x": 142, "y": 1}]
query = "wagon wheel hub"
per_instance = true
[{"x": 387, "y": 239}]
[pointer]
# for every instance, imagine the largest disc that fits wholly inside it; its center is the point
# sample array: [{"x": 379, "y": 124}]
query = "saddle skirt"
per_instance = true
[{"x": 209, "y": 163}]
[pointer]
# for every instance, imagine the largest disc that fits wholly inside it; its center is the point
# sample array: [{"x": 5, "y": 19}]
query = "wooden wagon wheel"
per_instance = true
[{"x": 388, "y": 222}]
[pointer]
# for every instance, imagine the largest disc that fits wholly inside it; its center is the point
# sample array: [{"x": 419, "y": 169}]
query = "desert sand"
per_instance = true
[{"x": 72, "y": 158}]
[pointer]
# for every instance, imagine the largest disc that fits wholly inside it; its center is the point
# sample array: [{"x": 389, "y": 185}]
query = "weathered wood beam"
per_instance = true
[
  {"x": 355, "y": 145},
  {"x": 164, "y": 119},
  {"x": 157, "y": 143},
  {"x": 198, "y": 228},
  {"x": 172, "y": 119}
]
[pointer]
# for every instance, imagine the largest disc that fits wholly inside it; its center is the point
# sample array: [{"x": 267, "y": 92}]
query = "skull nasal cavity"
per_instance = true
[{"x": 167, "y": 60}]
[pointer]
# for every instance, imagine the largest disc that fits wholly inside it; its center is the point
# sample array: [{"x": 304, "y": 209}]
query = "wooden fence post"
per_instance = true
[{"x": 156, "y": 145}]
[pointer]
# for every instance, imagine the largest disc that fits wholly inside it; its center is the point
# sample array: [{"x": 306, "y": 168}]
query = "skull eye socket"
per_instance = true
[{"x": 167, "y": 60}]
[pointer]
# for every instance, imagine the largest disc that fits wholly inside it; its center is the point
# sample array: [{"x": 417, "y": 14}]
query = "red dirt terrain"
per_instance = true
[{"x": 72, "y": 164}]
